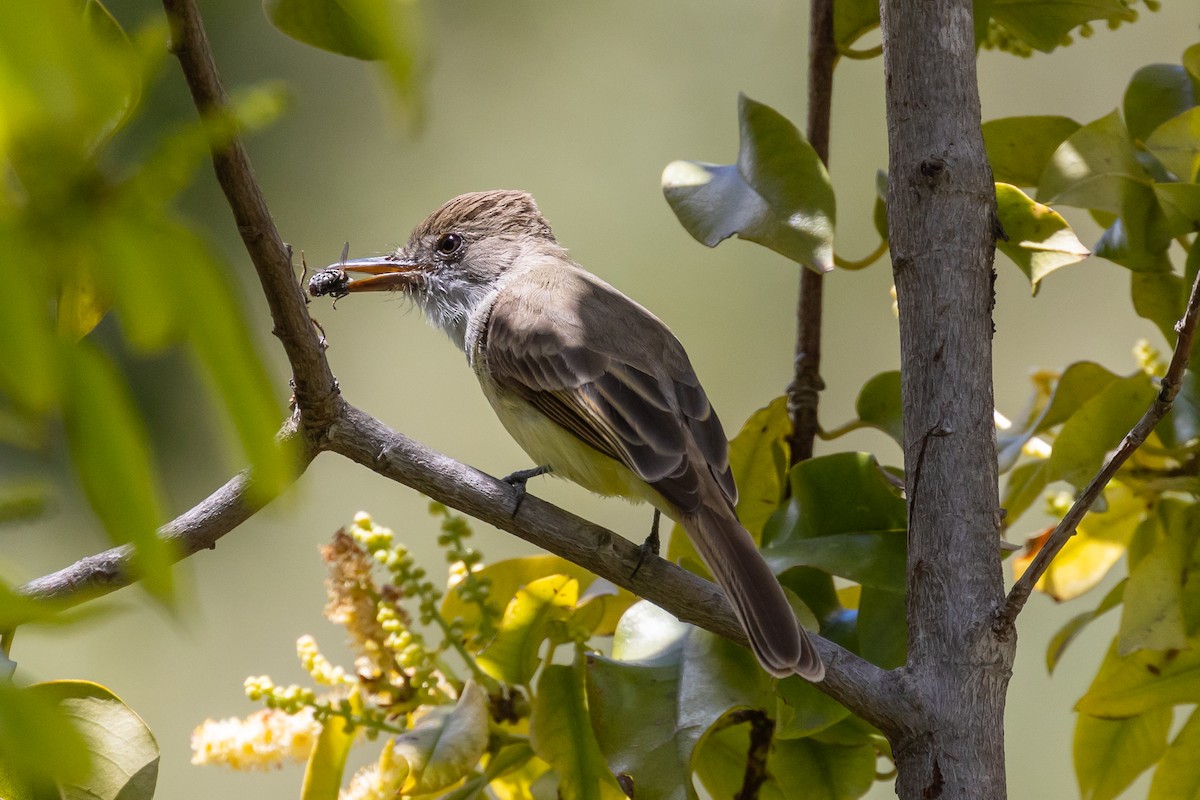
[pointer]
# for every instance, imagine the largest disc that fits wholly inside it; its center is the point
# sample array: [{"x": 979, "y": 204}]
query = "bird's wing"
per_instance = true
[{"x": 634, "y": 397}]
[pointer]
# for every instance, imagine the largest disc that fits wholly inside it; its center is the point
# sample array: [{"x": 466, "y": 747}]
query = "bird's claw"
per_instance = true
[
  {"x": 648, "y": 547},
  {"x": 517, "y": 481}
]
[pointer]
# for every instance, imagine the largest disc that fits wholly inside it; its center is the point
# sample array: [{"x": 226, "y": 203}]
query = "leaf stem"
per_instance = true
[{"x": 865, "y": 261}]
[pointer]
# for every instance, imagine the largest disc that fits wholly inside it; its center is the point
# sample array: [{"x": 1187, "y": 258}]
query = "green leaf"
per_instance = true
[
  {"x": 1142, "y": 245},
  {"x": 446, "y": 743},
  {"x": 1094, "y": 168},
  {"x": 1098, "y": 427},
  {"x": 1179, "y": 204},
  {"x": 878, "y": 405},
  {"x": 1191, "y": 62},
  {"x": 39, "y": 740},
  {"x": 124, "y": 754},
  {"x": 512, "y": 657},
  {"x": 637, "y": 720},
  {"x": 852, "y": 19},
  {"x": 882, "y": 627},
  {"x": 1178, "y": 772},
  {"x": 647, "y": 634},
  {"x": 81, "y": 306},
  {"x": 1019, "y": 148},
  {"x": 29, "y": 354},
  {"x": 372, "y": 30},
  {"x": 1159, "y": 297},
  {"x": 1043, "y": 24},
  {"x": 113, "y": 459},
  {"x": 1176, "y": 144},
  {"x": 778, "y": 194},
  {"x": 1181, "y": 427},
  {"x": 1126, "y": 687},
  {"x": 796, "y": 767},
  {"x": 1152, "y": 614},
  {"x": 327, "y": 762},
  {"x": 871, "y": 559},
  {"x": 804, "y": 710},
  {"x": 879, "y": 210},
  {"x": 758, "y": 456},
  {"x": 1049, "y": 408},
  {"x": 506, "y": 577},
  {"x": 1039, "y": 239},
  {"x": 561, "y": 734},
  {"x": 1022, "y": 489},
  {"x": 1156, "y": 93},
  {"x": 843, "y": 493},
  {"x": 1067, "y": 633},
  {"x": 1109, "y": 755}
]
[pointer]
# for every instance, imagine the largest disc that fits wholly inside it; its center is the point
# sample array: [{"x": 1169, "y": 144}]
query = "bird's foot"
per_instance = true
[
  {"x": 518, "y": 479},
  {"x": 650, "y": 546}
]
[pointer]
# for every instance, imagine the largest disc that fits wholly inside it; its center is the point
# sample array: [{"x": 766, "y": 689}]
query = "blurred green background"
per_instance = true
[{"x": 582, "y": 104}]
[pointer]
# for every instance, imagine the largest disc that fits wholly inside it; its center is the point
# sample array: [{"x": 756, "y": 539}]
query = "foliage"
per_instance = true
[
  {"x": 512, "y": 690},
  {"x": 83, "y": 235},
  {"x": 503, "y": 681}
]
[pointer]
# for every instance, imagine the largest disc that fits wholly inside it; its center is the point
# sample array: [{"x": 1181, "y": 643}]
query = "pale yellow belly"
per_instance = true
[{"x": 548, "y": 444}]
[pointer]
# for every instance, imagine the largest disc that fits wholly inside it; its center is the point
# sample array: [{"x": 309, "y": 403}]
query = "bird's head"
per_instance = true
[{"x": 458, "y": 256}]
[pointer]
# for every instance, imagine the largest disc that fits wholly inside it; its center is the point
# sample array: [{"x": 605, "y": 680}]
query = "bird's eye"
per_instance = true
[{"x": 449, "y": 244}]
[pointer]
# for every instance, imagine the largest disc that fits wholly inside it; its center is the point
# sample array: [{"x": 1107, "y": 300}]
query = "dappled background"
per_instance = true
[{"x": 582, "y": 104}]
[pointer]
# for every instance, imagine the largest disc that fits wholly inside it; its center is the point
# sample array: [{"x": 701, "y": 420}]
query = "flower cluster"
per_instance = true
[{"x": 264, "y": 740}]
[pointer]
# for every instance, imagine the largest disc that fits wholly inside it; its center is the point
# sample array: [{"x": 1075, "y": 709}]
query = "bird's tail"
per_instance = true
[{"x": 776, "y": 636}]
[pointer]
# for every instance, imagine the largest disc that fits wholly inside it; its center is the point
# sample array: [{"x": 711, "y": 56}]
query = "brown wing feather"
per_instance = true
[{"x": 634, "y": 398}]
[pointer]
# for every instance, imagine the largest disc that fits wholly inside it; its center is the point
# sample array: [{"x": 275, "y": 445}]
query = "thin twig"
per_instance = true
[
  {"x": 197, "y": 529},
  {"x": 1171, "y": 382},
  {"x": 804, "y": 392}
]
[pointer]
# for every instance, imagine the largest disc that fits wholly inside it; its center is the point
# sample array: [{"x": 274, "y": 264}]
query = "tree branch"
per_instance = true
[
  {"x": 861, "y": 686},
  {"x": 312, "y": 379},
  {"x": 1062, "y": 533},
  {"x": 804, "y": 392},
  {"x": 197, "y": 529}
]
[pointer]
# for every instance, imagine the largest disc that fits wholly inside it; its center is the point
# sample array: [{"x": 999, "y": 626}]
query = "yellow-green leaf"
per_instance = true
[
  {"x": 758, "y": 456},
  {"x": 512, "y": 657},
  {"x": 124, "y": 753},
  {"x": 561, "y": 734},
  {"x": 1152, "y": 614},
  {"x": 1176, "y": 143},
  {"x": 507, "y": 577},
  {"x": 1110, "y": 754},
  {"x": 446, "y": 743},
  {"x": 1020, "y": 147},
  {"x": 778, "y": 193},
  {"x": 1100, "y": 541},
  {"x": 113, "y": 459},
  {"x": 1039, "y": 239},
  {"x": 1125, "y": 687},
  {"x": 323, "y": 772},
  {"x": 1178, "y": 773},
  {"x": 39, "y": 742}
]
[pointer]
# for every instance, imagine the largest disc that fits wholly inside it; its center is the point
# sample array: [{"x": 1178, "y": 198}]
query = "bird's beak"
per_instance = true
[{"x": 386, "y": 273}]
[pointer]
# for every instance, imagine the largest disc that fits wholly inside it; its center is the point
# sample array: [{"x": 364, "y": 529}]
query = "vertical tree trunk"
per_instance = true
[{"x": 941, "y": 210}]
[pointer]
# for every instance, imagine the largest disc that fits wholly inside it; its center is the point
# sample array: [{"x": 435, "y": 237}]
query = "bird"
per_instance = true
[{"x": 592, "y": 385}]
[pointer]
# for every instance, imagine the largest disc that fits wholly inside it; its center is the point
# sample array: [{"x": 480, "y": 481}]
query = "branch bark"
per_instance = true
[
  {"x": 804, "y": 392},
  {"x": 1062, "y": 533},
  {"x": 312, "y": 378},
  {"x": 941, "y": 213}
]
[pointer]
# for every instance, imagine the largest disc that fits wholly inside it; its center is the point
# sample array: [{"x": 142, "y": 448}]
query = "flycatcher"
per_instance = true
[{"x": 591, "y": 385}]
